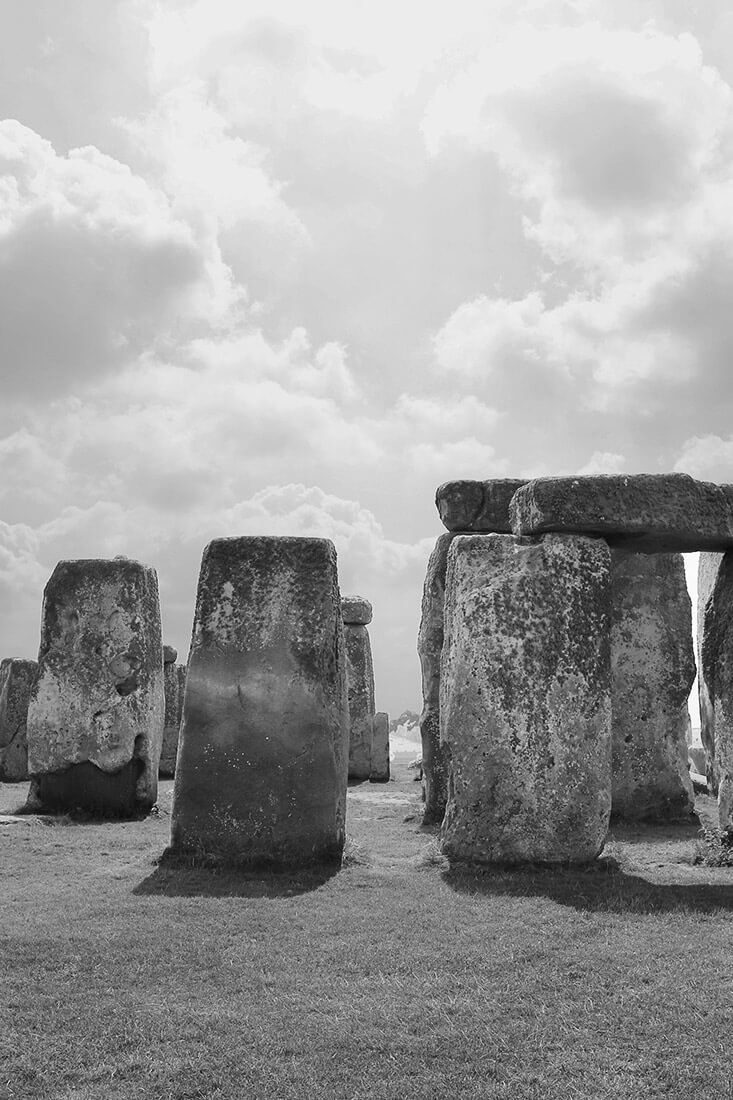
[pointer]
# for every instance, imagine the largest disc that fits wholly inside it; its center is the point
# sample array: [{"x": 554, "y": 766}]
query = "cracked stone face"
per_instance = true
[
  {"x": 97, "y": 702},
  {"x": 525, "y": 701},
  {"x": 263, "y": 750}
]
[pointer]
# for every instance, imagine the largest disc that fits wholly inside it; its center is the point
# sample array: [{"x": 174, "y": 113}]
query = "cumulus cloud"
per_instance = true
[
  {"x": 618, "y": 143},
  {"x": 93, "y": 265}
]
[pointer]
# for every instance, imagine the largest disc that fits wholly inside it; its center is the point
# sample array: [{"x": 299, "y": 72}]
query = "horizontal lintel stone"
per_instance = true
[
  {"x": 645, "y": 513},
  {"x": 477, "y": 505}
]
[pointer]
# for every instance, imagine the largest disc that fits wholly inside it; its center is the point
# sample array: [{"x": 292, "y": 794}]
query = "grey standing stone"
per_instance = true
[
  {"x": 652, "y": 670},
  {"x": 175, "y": 687},
  {"x": 16, "y": 680},
  {"x": 707, "y": 574},
  {"x": 263, "y": 751},
  {"x": 717, "y": 670},
  {"x": 95, "y": 717},
  {"x": 525, "y": 698},
  {"x": 380, "y": 748},
  {"x": 435, "y": 756},
  {"x": 356, "y": 613},
  {"x": 644, "y": 513}
]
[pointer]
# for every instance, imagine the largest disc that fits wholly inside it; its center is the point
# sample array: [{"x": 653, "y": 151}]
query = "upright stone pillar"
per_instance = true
[
  {"x": 263, "y": 750},
  {"x": 435, "y": 756},
  {"x": 380, "y": 748},
  {"x": 652, "y": 672},
  {"x": 525, "y": 698},
  {"x": 16, "y": 680},
  {"x": 95, "y": 717},
  {"x": 716, "y": 667},
  {"x": 175, "y": 686},
  {"x": 357, "y": 614},
  {"x": 709, "y": 563}
]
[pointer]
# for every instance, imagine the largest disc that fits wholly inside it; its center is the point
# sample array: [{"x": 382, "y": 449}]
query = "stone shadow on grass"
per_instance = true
[
  {"x": 600, "y": 887},
  {"x": 176, "y": 876}
]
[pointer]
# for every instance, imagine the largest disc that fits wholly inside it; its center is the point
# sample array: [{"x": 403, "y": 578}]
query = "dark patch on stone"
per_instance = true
[{"x": 85, "y": 787}]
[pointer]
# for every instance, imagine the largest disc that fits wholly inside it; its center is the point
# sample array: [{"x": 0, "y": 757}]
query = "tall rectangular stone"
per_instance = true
[
  {"x": 357, "y": 614},
  {"x": 380, "y": 748},
  {"x": 16, "y": 680},
  {"x": 707, "y": 573},
  {"x": 525, "y": 700},
  {"x": 652, "y": 672},
  {"x": 175, "y": 686},
  {"x": 435, "y": 755},
  {"x": 716, "y": 669},
  {"x": 95, "y": 716},
  {"x": 263, "y": 752}
]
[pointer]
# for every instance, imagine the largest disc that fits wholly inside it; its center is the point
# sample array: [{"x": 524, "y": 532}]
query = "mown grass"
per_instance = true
[{"x": 397, "y": 977}]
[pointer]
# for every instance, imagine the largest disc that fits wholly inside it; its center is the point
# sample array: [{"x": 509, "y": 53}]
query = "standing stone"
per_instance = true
[
  {"x": 175, "y": 686},
  {"x": 95, "y": 718},
  {"x": 263, "y": 750},
  {"x": 435, "y": 756},
  {"x": 357, "y": 614},
  {"x": 652, "y": 672},
  {"x": 716, "y": 666},
  {"x": 16, "y": 680},
  {"x": 525, "y": 698},
  {"x": 380, "y": 748},
  {"x": 707, "y": 574}
]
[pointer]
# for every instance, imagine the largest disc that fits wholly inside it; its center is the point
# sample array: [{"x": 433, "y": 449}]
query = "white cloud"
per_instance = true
[{"x": 93, "y": 265}]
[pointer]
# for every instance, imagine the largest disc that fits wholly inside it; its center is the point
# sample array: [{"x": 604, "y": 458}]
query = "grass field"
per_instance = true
[{"x": 397, "y": 977}]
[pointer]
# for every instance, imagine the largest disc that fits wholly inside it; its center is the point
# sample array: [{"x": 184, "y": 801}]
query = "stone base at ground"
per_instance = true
[
  {"x": 263, "y": 750},
  {"x": 98, "y": 697},
  {"x": 16, "y": 680},
  {"x": 652, "y": 672},
  {"x": 525, "y": 702}
]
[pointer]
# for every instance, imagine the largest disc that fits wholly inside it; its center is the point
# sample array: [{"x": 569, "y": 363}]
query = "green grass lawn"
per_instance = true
[{"x": 397, "y": 977}]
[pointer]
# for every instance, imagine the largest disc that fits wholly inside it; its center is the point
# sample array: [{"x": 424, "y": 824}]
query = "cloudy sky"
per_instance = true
[{"x": 274, "y": 267}]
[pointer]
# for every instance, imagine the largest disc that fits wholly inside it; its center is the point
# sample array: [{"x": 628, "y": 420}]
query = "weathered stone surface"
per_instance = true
[
  {"x": 652, "y": 672},
  {"x": 644, "y": 513},
  {"x": 360, "y": 679},
  {"x": 707, "y": 573},
  {"x": 697, "y": 758},
  {"x": 435, "y": 756},
  {"x": 477, "y": 505},
  {"x": 717, "y": 670},
  {"x": 525, "y": 698},
  {"x": 16, "y": 680},
  {"x": 95, "y": 717},
  {"x": 380, "y": 748},
  {"x": 356, "y": 610},
  {"x": 170, "y": 655},
  {"x": 175, "y": 687},
  {"x": 263, "y": 750}
]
